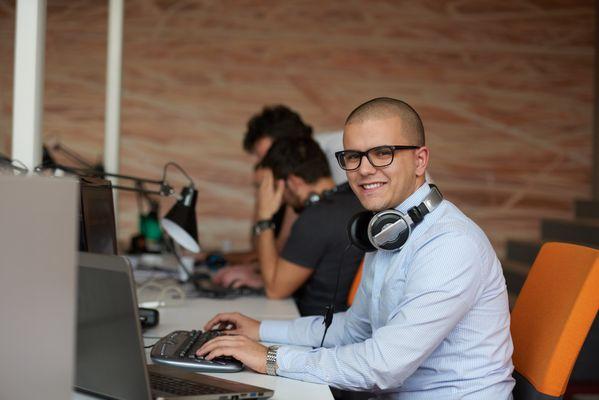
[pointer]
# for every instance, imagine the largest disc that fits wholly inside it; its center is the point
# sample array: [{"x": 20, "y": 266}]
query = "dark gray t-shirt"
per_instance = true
[{"x": 317, "y": 241}]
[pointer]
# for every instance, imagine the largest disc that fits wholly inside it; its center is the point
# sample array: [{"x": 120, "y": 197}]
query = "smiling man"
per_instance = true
[{"x": 430, "y": 319}]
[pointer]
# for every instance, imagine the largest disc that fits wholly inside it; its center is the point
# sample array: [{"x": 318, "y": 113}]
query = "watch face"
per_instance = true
[{"x": 261, "y": 226}]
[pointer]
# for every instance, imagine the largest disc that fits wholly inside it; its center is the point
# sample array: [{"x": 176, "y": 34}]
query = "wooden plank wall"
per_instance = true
[{"x": 505, "y": 89}]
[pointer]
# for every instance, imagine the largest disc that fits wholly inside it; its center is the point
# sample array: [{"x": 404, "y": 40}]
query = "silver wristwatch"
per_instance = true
[{"x": 271, "y": 360}]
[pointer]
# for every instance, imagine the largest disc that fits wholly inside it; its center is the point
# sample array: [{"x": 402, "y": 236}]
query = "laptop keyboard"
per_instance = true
[{"x": 182, "y": 387}]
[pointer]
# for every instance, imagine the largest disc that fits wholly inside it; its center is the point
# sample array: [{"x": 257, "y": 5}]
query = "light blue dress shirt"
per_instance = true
[{"x": 428, "y": 322}]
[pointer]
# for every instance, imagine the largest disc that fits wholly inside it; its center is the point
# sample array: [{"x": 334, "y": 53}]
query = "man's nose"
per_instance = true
[{"x": 366, "y": 168}]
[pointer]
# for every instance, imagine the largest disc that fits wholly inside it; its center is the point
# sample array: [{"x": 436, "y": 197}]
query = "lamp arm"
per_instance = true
[
  {"x": 132, "y": 178},
  {"x": 165, "y": 189},
  {"x": 93, "y": 172},
  {"x": 145, "y": 191},
  {"x": 71, "y": 154},
  {"x": 174, "y": 164}
]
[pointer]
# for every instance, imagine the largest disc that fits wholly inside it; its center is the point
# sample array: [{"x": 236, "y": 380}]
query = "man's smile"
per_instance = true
[{"x": 371, "y": 187}]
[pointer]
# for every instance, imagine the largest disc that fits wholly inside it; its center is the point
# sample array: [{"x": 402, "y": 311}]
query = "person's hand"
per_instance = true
[
  {"x": 269, "y": 196},
  {"x": 240, "y": 324},
  {"x": 237, "y": 276},
  {"x": 242, "y": 348}
]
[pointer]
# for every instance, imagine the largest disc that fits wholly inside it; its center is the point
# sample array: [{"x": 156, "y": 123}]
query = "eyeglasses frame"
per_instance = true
[{"x": 339, "y": 155}]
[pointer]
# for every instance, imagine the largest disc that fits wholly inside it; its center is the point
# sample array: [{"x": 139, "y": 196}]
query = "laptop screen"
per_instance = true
[{"x": 110, "y": 357}]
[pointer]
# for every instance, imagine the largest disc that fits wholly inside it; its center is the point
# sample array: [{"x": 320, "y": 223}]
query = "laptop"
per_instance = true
[{"x": 110, "y": 358}]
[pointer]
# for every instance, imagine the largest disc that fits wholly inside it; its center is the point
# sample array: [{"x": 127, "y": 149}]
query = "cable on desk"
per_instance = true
[
  {"x": 151, "y": 345},
  {"x": 169, "y": 295},
  {"x": 162, "y": 276}
]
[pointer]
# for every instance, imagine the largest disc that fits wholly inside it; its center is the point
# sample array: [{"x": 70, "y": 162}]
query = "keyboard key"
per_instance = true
[{"x": 181, "y": 387}]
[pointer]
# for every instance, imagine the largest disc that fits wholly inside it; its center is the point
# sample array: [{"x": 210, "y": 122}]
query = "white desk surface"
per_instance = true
[{"x": 193, "y": 313}]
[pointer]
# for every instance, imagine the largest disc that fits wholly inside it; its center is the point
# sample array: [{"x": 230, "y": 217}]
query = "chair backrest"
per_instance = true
[
  {"x": 355, "y": 284},
  {"x": 552, "y": 317}
]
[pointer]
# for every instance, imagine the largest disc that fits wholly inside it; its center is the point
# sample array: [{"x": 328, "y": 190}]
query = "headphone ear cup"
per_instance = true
[
  {"x": 385, "y": 218},
  {"x": 357, "y": 228}
]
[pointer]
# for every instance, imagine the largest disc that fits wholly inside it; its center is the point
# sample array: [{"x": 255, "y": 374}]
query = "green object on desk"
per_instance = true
[{"x": 149, "y": 226}]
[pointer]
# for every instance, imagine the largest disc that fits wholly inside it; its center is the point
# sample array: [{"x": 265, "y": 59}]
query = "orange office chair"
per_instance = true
[
  {"x": 355, "y": 283},
  {"x": 552, "y": 317}
]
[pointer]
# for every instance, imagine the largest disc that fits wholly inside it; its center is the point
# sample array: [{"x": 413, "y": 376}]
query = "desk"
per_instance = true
[{"x": 194, "y": 312}]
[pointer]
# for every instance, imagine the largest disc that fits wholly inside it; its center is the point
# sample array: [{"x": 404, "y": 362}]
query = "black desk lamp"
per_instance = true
[{"x": 180, "y": 222}]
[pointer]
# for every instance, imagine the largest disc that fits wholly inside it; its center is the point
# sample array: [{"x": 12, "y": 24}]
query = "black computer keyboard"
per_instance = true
[
  {"x": 205, "y": 287},
  {"x": 181, "y": 387},
  {"x": 179, "y": 348}
]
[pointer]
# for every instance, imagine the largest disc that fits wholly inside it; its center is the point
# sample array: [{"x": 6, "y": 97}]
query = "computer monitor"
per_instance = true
[{"x": 97, "y": 223}]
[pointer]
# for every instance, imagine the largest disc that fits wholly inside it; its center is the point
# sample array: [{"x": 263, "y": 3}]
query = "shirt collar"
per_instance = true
[{"x": 415, "y": 198}]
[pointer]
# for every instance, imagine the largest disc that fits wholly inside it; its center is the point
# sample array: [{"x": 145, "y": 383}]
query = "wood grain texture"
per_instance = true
[{"x": 504, "y": 89}]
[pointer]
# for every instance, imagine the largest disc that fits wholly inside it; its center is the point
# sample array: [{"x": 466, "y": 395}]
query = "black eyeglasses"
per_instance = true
[{"x": 379, "y": 156}]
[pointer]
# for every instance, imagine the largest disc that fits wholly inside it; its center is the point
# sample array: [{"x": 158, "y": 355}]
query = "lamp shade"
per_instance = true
[{"x": 180, "y": 222}]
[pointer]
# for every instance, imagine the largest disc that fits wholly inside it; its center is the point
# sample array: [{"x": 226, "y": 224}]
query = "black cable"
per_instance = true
[{"x": 330, "y": 309}]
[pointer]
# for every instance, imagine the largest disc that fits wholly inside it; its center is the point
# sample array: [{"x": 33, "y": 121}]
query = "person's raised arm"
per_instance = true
[{"x": 269, "y": 199}]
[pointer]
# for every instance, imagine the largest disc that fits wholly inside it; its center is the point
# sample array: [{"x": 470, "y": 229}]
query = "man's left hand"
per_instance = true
[
  {"x": 242, "y": 348},
  {"x": 269, "y": 196}
]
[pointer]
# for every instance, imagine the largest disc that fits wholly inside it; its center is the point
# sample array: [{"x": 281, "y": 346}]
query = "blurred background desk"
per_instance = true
[{"x": 193, "y": 313}]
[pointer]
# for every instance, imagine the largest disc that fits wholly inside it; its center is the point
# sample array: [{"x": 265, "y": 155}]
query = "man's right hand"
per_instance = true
[{"x": 239, "y": 325}]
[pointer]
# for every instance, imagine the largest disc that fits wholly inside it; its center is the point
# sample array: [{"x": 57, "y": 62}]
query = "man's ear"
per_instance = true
[
  {"x": 294, "y": 182},
  {"x": 421, "y": 160}
]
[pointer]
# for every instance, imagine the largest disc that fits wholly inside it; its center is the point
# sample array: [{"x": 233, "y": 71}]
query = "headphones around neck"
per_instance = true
[{"x": 390, "y": 229}]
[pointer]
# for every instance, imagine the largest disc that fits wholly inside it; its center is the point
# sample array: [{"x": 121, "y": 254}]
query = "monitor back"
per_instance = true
[{"x": 38, "y": 249}]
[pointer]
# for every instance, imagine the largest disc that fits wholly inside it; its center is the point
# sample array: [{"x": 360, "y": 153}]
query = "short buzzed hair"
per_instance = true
[{"x": 385, "y": 107}]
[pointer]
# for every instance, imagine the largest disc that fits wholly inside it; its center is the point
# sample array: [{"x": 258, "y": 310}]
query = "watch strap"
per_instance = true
[
  {"x": 263, "y": 225},
  {"x": 271, "y": 360}
]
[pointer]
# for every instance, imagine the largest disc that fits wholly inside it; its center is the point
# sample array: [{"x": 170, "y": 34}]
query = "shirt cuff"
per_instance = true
[
  {"x": 273, "y": 331},
  {"x": 292, "y": 359}
]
